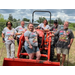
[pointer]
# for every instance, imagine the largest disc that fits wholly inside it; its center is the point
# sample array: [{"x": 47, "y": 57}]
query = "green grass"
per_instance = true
[
  {"x": 72, "y": 28},
  {"x": 4, "y": 52},
  {"x": 71, "y": 54}
]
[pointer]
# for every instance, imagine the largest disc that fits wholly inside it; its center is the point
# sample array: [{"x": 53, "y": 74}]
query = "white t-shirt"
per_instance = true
[{"x": 42, "y": 26}]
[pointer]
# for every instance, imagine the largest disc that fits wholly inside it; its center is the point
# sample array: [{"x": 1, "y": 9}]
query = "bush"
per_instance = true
[
  {"x": 72, "y": 26},
  {"x": 2, "y": 25}
]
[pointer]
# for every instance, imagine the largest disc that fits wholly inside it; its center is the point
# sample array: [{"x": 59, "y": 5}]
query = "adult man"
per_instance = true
[
  {"x": 20, "y": 30},
  {"x": 64, "y": 42}
]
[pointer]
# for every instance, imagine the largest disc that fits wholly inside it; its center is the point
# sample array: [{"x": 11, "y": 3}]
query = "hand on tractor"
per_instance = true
[
  {"x": 36, "y": 27},
  {"x": 53, "y": 32},
  {"x": 22, "y": 33},
  {"x": 48, "y": 36},
  {"x": 51, "y": 35},
  {"x": 35, "y": 30},
  {"x": 50, "y": 32}
]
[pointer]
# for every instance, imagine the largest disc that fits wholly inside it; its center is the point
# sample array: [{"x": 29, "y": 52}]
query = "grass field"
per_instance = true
[{"x": 71, "y": 54}]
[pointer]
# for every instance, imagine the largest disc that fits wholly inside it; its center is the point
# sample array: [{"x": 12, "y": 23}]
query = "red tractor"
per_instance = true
[{"x": 44, "y": 46}]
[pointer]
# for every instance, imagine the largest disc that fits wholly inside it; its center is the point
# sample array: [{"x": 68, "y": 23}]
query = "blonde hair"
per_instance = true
[{"x": 28, "y": 26}]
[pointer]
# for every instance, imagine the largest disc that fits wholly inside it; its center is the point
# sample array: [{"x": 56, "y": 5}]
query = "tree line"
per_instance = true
[
  {"x": 40, "y": 20},
  {"x": 16, "y": 22}
]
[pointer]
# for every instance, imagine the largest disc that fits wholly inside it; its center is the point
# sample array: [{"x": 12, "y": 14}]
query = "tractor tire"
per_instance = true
[
  {"x": 23, "y": 51},
  {"x": 52, "y": 53}
]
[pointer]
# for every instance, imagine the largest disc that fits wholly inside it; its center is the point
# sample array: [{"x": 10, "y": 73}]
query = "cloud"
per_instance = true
[
  {"x": 64, "y": 14},
  {"x": 7, "y": 11}
]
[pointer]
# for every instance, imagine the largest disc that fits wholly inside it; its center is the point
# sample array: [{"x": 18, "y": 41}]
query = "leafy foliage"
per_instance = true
[
  {"x": 72, "y": 26},
  {"x": 25, "y": 19},
  {"x": 60, "y": 21},
  {"x": 41, "y": 19},
  {"x": 16, "y": 22},
  {"x": 10, "y": 18}
]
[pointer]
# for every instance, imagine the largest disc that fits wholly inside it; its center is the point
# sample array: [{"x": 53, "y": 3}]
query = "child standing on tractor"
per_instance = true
[{"x": 64, "y": 41}]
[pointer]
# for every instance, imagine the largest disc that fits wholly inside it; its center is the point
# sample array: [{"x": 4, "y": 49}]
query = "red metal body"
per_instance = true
[
  {"x": 21, "y": 41},
  {"x": 27, "y": 62}
]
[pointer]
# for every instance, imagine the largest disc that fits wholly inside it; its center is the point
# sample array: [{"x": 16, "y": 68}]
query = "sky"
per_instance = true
[{"x": 64, "y": 14}]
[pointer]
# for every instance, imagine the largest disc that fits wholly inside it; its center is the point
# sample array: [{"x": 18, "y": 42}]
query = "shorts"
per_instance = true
[
  {"x": 62, "y": 50},
  {"x": 34, "y": 50}
]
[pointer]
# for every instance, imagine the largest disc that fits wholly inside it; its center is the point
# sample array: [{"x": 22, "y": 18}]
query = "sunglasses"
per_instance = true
[{"x": 8, "y": 24}]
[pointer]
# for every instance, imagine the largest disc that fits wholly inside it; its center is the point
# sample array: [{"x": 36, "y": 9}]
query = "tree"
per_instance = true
[
  {"x": 25, "y": 19},
  {"x": 18, "y": 19},
  {"x": 15, "y": 24},
  {"x": 10, "y": 18},
  {"x": 2, "y": 18},
  {"x": 41, "y": 19},
  {"x": 72, "y": 25},
  {"x": 59, "y": 21},
  {"x": 2, "y": 23},
  {"x": 52, "y": 21},
  {"x": 14, "y": 20}
]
